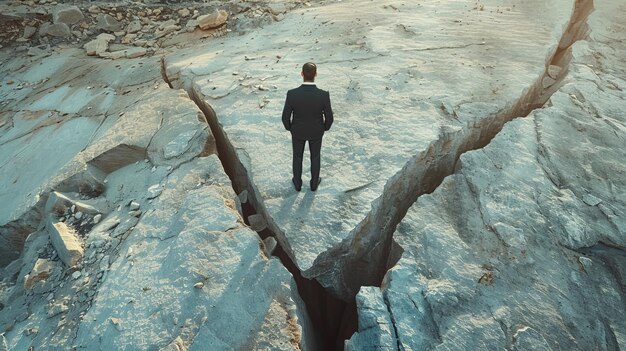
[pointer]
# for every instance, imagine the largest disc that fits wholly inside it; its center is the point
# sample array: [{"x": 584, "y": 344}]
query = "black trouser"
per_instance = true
[{"x": 298, "y": 150}]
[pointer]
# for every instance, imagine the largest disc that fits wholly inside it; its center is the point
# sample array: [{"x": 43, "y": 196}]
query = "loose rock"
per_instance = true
[
  {"x": 68, "y": 15},
  {"x": 214, "y": 20}
]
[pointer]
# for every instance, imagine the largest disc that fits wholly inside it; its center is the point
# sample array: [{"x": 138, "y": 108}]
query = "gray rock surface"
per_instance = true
[
  {"x": 151, "y": 148},
  {"x": 517, "y": 245},
  {"x": 386, "y": 59},
  {"x": 509, "y": 253}
]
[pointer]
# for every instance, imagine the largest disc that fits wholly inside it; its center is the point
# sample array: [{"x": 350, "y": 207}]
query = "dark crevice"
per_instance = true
[{"x": 333, "y": 320}]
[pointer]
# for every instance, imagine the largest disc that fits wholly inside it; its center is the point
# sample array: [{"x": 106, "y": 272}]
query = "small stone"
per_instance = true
[
  {"x": 133, "y": 26},
  {"x": 78, "y": 215},
  {"x": 97, "y": 218},
  {"x": 76, "y": 275},
  {"x": 591, "y": 200},
  {"x": 257, "y": 222},
  {"x": 554, "y": 71},
  {"x": 135, "y": 213},
  {"x": 214, "y": 20},
  {"x": 134, "y": 205},
  {"x": 60, "y": 30},
  {"x": 277, "y": 8},
  {"x": 198, "y": 285},
  {"x": 94, "y": 9},
  {"x": 547, "y": 82},
  {"x": 117, "y": 323},
  {"x": 108, "y": 23},
  {"x": 29, "y": 31},
  {"x": 585, "y": 262},
  {"x": 154, "y": 191}
]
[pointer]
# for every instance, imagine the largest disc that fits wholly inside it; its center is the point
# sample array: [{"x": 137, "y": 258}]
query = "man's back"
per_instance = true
[{"x": 312, "y": 114}]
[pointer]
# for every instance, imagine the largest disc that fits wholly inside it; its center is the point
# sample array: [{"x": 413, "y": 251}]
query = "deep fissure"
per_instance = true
[
  {"x": 333, "y": 320},
  {"x": 349, "y": 270}
]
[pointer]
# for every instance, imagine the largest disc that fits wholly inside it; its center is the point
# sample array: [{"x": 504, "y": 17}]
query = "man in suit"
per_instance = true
[{"x": 307, "y": 114}]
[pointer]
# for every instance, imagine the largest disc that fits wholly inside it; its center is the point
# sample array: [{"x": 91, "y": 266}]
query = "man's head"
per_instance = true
[{"x": 309, "y": 72}]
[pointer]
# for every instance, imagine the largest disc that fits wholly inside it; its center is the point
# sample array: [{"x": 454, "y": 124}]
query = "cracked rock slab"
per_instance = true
[
  {"x": 464, "y": 283},
  {"x": 375, "y": 72}
]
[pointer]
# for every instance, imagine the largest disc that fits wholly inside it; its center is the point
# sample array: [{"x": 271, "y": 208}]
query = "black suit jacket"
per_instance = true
[{"x": 311, "y": 110}]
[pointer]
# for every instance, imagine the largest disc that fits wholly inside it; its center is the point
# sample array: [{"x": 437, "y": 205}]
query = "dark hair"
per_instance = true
[{"x": 309, "y": 70}]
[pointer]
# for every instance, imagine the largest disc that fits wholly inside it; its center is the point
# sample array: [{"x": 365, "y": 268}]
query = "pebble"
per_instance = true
[
  {"x": 76, "y": 275},
  {"x": 198, "y": 285}
]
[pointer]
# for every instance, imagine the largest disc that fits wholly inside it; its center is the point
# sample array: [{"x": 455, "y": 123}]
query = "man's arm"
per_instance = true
[
  {"x": 287, "y": 110},
  {"x": 328, "y": 113}
]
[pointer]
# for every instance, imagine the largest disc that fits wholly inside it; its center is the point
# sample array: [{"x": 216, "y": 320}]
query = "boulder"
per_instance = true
[
  {"x": 107, "y": 23},
  {"x": 65, "y": 242},
  {"x": 67, "y": 14},
  {"x": 55, "y": 29},
  {"x": 213, "y": 20},
  {"x": 99, "y": 45}
]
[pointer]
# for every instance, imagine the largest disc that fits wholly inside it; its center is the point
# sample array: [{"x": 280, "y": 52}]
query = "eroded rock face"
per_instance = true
[
  {"x": 142, "y": 211},
  {"x": 516, "y": 250}
]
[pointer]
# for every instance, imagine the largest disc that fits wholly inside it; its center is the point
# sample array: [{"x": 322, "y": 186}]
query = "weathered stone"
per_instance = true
[
  {"x": 56, "y": 30},
  {"x": 60, "y": 204},
  {"x": 65, "y": 242},
  {"x": 135, "y": 52},
  {"x": 376, "y": 330},
  {"x": 257, "y": 222},
  {"x": 108, "y": 23},
  {"x": 177, "y": 345},
  {"x": 41, "y": 271},
  {"x": 213, "y": 20},
  {"x": 184, "y": 12},
  {"x": 67, "y": 14},
  {"x": 99, "y": 45},
  {"x": 277, "y": 8},
  {"x": 133, "y": 26},
  {"x": 29, "y": 31},
  {"x": 554, "y": 71}
]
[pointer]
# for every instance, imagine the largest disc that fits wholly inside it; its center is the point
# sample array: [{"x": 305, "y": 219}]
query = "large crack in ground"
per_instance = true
[
  {"x": 364, "y": 257},
  {"x": 334, "y": 320}
]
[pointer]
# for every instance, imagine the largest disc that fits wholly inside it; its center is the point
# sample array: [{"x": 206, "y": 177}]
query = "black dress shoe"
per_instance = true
[
  {"x": 314, "y": 185},
  {"x": 297, "y": 186}
]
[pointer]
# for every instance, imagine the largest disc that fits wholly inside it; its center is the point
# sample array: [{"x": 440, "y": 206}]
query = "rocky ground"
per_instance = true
[{"x": 472, "y": 196}]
